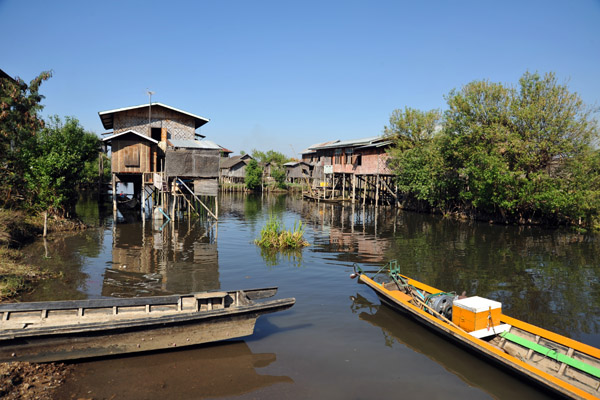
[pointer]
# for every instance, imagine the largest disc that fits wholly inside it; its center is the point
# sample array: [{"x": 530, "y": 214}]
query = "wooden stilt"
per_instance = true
[
  {"x": 353, "y": 189},
  {"x": 114, "y": 190},
  {"x": 377, "y": 191},
  {"x": 364, "y": 183}
]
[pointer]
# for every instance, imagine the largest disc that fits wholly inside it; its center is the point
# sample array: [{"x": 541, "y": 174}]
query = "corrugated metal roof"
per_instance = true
[
  {"x": 311, "y": 149},
  {"x": 107, "y": 117},
  {"x": 294, "y": 163},
  {"x": 352, "y": 143},
  {"x": 195, "y": 144},
  {"x": 108, "y": 139},
  {"x": 381, "y": 143}
]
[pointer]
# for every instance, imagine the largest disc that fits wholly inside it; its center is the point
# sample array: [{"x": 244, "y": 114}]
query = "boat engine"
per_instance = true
[{"x": 442, "y": 304}]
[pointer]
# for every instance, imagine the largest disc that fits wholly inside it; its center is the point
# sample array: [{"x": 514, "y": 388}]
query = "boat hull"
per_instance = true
[
  {"x": 480, "y": 347},
  {"x": 83, "y": 339}
]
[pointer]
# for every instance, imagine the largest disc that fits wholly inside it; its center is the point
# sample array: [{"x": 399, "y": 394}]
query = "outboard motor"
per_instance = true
[{"x": 442, "y": 304}]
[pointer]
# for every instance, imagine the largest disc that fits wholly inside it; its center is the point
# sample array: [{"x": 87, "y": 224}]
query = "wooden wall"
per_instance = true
[{"x": 131, "y": 156}]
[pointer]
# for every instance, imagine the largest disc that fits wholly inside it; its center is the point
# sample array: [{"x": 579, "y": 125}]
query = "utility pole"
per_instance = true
[{"x": 150, "y": 93}]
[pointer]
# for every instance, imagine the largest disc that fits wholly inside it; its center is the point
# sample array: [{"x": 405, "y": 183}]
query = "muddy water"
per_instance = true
[{"x": 337, "y": 342}]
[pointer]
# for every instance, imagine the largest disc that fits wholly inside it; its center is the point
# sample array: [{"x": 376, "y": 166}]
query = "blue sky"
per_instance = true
[{"x": 284, "y": 75}]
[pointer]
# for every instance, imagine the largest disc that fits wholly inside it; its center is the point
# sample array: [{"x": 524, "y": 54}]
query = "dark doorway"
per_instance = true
[{"x": 155, "y": 134}]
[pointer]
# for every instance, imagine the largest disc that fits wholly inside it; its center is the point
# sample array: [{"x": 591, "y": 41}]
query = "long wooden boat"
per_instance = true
[
  {"x": 66, "y": 330},
  {"x": 324, "y": 200},
  {"x": 563, "y": 365}
]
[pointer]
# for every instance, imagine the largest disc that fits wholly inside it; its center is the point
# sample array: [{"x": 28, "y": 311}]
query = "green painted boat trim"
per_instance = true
[{"x": 580, "y": 365}]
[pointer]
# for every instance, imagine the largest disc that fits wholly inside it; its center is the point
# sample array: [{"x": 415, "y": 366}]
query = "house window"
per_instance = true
[
  {"x": 132, "y": 156},
  {"x": 357, "y": 159},
  {"x": 349, "y": 159},
  {"x": 337, "y": 156}
]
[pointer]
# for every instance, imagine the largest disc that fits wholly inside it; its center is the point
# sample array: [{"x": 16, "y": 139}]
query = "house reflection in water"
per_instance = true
[{"x": 147, "y": 259}]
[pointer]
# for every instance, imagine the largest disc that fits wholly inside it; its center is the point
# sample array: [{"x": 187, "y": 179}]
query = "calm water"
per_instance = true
[{"x": 337, "y": 342}]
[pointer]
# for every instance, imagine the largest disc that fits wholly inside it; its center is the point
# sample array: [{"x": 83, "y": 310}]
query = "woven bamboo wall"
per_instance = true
[
  {"x": 179, "y": 126},
  {"x": 192, "y": 163}
]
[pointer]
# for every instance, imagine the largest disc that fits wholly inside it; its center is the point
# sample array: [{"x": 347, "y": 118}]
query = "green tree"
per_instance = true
[
  {"x": 409, "y": 127},
  {"x": 271, "y": 156},
  {"x": 57, "y": 164},
  {"x": 92, "y": 175},
  {"x": 517, "y": 153},
  {"x": 414, "y": 156},
  {"x": 513, "y": 150},
  {"x": 253, "y": 175},
  {"x": 278, "y": 173},
  {"x": 19, "y": 122}
]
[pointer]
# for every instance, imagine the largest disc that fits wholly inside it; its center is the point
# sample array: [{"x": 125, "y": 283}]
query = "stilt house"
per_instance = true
[
  {"x": 233, "y": 169},
  {"x": 155, "y": 147},
  {"x": 297, "y": 171},
  {"x": 343, "y": 167}
]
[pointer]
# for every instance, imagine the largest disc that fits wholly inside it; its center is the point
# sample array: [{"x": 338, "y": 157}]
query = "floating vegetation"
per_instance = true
[{"x": 274, "y": 235}]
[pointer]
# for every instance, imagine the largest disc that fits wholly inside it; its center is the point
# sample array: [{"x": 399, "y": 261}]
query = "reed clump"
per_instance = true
[{"x": 274, "y": 235}]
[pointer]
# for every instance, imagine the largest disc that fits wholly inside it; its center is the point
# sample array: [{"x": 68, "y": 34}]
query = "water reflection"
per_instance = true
[
  {"x": 398, "y": 329},
  {"x": 221, "y": 370},
  {"x": 152, "y": 258}
]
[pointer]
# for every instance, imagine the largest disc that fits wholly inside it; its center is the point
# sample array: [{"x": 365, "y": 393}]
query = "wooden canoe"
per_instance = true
[
  {"x": 66, "y": 330},
  {"x": 562, "y": 365}
]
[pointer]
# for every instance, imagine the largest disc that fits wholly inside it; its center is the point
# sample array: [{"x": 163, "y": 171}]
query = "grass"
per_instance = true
[
  {"x": 15, "y": 276},
  {"x": 274, "y": 235},
  {"x": 16, "y": 229}
]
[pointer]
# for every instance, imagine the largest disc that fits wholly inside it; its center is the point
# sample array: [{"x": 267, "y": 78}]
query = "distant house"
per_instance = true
[
  {"x": 233, "y": 169},
  {"x": 366, "y": 156},
  {"x": 352, "y": 168},
  {"x": 297, "y": 171},
  {"x": 152, "y": 145}
]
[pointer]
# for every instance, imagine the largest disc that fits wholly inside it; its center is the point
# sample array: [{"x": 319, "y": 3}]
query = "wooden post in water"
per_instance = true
[
  {"x": 364, "y": 183},
  {"x": 45, "y": 224},
  {"x": 377, "y": 192},
  {"x": 217, "y": 206},
  {"x": 353, "y": 188},
  {"x": 114, "y": 193}
]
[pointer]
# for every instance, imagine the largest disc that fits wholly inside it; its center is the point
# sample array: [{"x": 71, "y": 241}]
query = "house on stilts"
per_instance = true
[
  {"x": 354, "y": 170},
  {"x": 155, "y": 147}
]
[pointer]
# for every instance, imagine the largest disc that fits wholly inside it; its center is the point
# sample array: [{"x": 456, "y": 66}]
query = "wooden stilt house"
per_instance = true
[
  {"x": 354, "y": 170},
  {"x": 156, "y": 147}
]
